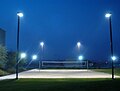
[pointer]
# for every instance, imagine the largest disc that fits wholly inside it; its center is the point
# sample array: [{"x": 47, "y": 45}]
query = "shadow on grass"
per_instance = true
[
  {"x": 8, "y": 81},
  {"x": 60, "y": 85}
]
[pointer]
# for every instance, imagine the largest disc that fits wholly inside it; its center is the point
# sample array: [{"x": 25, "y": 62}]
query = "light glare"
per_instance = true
[{"x": 113, "y": 58}]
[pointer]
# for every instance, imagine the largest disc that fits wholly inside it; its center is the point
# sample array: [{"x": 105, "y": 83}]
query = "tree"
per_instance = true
[
  {"x": 22, "y": 64},
  {"x": 11, "y": 60},
  {"x": 11, "y": 63},
  {"x": 3, "y": 56}
]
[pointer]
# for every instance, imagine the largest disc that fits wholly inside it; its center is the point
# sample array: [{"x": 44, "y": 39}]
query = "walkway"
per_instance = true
[{"x": 59, "y": 73}]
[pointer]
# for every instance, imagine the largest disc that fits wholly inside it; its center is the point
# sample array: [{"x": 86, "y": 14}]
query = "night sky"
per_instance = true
[{"x": 61, "y": 24}]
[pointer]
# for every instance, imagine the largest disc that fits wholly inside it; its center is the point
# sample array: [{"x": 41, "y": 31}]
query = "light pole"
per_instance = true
[
  {"x": 108, "y": 15},
  {"x": 78, "y": 45},
  {"x": 34, "y": 57},
  {"x": 80, "y": 58},
  {"x": 42, "y": 47},
  {"x": 19, "y": 14}
]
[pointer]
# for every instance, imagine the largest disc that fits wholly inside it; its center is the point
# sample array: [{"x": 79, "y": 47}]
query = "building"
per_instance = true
[{"x": 2, "y": 37}]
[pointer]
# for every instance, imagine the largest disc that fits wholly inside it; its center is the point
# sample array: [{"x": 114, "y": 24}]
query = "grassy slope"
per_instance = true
[
  {"x": 117, "y": 71},
  {"x": 60, "y": 85}
]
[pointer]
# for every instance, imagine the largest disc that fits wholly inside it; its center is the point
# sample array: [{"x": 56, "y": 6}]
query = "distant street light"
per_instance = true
[
  {"x": 34, "y": 57},
  {"x": 19, "y": 14},
  {"x": 42, "y": 47},
  {"x": 78, "y": 45},
  {"x": 108, "y": 15},
  {"x": 80, "y": 57},
  {"x": 42, "y": 44}
]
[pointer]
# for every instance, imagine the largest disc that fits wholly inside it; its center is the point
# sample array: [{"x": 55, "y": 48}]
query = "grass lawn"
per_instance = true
[
  {"x": 60, "y": 85},
  {"x": 117, "y": 71}
]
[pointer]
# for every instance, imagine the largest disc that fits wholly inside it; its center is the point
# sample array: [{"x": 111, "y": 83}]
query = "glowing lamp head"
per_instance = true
[
  {"x": 42, "y": 44},
  {"x": 80, "y": 57},
  {"x": 78, "y": 44},
  {"x": 20, "y": 14},
  {"x": 113, "y": 58},
  {"x": 34, "y": 57},
  {"x": 23, "y": 55},
  {"x": 108, "y": 15}
]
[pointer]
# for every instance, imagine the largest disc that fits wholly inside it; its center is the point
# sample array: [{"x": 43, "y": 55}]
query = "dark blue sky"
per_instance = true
[{"x": 61, "y": 24}]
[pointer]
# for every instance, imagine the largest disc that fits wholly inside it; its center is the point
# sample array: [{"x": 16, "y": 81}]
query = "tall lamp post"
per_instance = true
[
  {"x": 42, "y": 47},
  {"x": 19, "y": 14},
  {"x": 80, "y": 58},
  {"x": 108, "y": 15}
]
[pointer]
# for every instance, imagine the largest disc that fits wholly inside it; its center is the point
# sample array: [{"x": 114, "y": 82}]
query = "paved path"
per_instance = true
[{"x": 35, "y": 73}]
